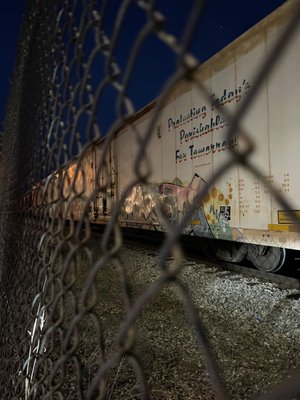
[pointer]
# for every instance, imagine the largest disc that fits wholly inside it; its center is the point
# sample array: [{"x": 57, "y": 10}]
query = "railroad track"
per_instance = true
[{"x": 152, "y": 240}]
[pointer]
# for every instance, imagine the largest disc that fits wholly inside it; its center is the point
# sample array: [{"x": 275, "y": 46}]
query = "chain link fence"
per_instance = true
[{"x": 60, "y": 336}]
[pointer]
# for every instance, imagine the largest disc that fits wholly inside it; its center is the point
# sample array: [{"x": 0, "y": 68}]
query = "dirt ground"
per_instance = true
[{"x": 252, "y": 326}]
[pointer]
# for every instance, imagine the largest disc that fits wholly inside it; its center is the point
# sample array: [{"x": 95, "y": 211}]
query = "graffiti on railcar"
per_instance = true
[
  {"x": 140, "y": 204},
  {"x": 147, "y": 203}
]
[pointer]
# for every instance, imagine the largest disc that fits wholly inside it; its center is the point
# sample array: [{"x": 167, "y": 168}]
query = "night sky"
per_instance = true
[
  {"x": 10, "y": 20},
  {"x": 222, "y": 22}
]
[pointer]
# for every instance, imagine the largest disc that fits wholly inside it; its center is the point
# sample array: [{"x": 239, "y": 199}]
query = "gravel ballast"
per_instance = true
[{"x": 253, "y": 327}]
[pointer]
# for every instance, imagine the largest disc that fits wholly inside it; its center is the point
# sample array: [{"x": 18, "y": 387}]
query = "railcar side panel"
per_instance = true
[
  {"x": 284, "y": 102},
  {"x": 254, "y": 199},
  {"x": 189, "y": 145},
  {"x": 106, "y": 180},
  {"x": 138, "y": 206},
  {"x": 78, "y": 183}
]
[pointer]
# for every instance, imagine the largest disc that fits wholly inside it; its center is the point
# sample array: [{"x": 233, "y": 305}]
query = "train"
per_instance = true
[{"x": 238, "y": 213}]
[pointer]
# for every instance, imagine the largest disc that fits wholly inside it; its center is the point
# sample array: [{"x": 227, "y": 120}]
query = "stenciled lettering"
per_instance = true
[
  {"x": 180, "y": 156},
  {"x": 213, "y": 148},
  {"x": 195, "y": 112},
  {"x": 202, "y": 129},
  {"x": 229, "y": 95}
]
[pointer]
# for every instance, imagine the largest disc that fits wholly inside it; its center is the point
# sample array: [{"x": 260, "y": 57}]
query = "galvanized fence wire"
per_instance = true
[{"x": 54, "y": 342}]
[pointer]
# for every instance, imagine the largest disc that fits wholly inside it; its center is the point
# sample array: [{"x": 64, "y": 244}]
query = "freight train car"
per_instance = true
[{"x": 189, "y": 143}]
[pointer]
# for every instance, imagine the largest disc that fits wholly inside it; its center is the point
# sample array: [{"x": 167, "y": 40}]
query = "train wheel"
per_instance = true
[{"x": 268, "y": 259}]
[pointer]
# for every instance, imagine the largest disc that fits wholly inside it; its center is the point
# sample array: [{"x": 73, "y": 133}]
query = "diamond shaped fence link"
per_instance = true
[{"x": 63, "y": 334}]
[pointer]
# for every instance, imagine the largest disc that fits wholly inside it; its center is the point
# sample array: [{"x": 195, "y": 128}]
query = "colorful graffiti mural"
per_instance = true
[{"x": 172, "y": 199}]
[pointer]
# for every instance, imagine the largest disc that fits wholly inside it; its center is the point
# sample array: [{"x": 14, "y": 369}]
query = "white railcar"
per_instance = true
[{"x": 189, "y": 144}]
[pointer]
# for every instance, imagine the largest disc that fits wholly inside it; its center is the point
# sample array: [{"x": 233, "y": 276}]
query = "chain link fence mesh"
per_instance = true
[{"x": 60, "y": 336}]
